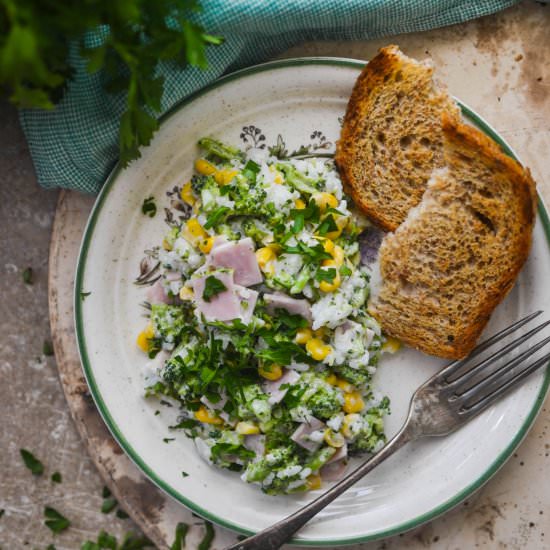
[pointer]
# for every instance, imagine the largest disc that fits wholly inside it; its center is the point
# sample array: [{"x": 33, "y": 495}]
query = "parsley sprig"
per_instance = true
[{"x": 126, "y": 44}]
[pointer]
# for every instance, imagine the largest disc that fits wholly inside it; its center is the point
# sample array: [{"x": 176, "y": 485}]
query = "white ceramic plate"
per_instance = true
[{"x": 293, "y": 98}]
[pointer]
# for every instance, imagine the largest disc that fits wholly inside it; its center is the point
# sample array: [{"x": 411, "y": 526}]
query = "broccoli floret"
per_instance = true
[
  {"x": 255, "y": 404},
  {"x": 220, "y": 150},
  {"x": 360, "y": 378},
  {"x": 297, "y": 179},
  {"x": 325, "y": 402},
  {"x": 168, "y": 322},
  {"x": 368, "y": 430}
]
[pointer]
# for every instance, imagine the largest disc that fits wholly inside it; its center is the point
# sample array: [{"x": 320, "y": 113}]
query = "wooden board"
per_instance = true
[{"x": 507, "y": 60}]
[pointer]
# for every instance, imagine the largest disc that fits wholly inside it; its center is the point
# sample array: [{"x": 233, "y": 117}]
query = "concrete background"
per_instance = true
[{"x": 501, "y": 67}]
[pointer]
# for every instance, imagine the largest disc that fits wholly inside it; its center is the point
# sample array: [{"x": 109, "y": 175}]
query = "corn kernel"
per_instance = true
[
  {"x": 247, "y": 428},
  {"x": 204, "y": 167},
  {"x": 303, "y": 335},
  {"x": 391, "y": 345},
  {"x": 353, "y": 402},
  {"x": 205, "y": 246},
  {"x": 300, "y": 204},
  {"x": 186, "y": 194},
  {"x": 344, "y": 385},
  {"x": 205, "y": 416},
  {"x": 144, "y": 336},
  {"x": 317, "y": 349},
  {"x": 328, "y": 246},
  {"x": 186, "y": 293},
  {"x": 332, "y": 379},
  {"x": 313, "y": 482},
  {"x": 326, "y": 286},
  {"x": 272, "y": 372},
  {"x": 269, "y": 269},
  {"x": 338, "y": 255},
  {"x": 325, "y": 200},
  {"x": 166, "y": 245},
  {"x": 349, "y": 419},
  {"x": 193, "y": 231},
  {"x": 278, "y": 179},
  {"x": 264, "y": 255},
  {"x": 223, "y": 177},
  {"x": 334, "y": 439},
  {"x": 341, "y": 223},
  {"x": 276, "y": 247}
]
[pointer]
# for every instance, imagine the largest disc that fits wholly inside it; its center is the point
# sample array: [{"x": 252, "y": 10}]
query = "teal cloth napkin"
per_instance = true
[{"x": 75, "y": 145}]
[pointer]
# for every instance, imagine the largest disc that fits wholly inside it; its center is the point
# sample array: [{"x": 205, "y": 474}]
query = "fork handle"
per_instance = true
[{"x": 277, "y": 534}]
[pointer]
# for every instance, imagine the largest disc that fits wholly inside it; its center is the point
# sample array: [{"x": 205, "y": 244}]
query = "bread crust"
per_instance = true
[
  {"x": 379, "y": 75},
  {"x": 463, "y": 144}
]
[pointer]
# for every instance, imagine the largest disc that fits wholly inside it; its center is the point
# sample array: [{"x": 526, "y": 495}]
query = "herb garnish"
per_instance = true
[
  {"x": 327, "y": 225},
  {"x": 109, "y": 504},
  {"x": 212, "y": 287},
  {"x": 326, "y": 274},
  {"x": 184, "y": 474},
  {"x": 47, "y": 348},
  {"x": 121, "y": 514},
  {"x": 31, "y": 462},
  {"x": 206, "y": 542},
  {"x": 84, "y": 295},
  {"x": 107, "y": 541},
  {"x": 168, "y": 439},
  {"x": 216, "y": 216},
  {"x": 56, "y": 477},
  {"x": 55, "y": 521},
  {"x": 27, "y": 276},
  {"x": 181, "y": 534},
  {"x": 149, "y": 208}
]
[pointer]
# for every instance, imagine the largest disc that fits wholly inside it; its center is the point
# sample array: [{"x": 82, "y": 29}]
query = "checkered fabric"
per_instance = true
[{"x": 75, "y": 145}]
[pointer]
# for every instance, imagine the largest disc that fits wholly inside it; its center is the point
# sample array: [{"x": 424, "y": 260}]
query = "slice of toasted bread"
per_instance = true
[
  {"x": 391, "y": 136},
  {"x": 459, "y": 251}
]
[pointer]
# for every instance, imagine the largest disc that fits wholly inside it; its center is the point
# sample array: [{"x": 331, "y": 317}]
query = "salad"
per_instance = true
[{"x": 257, "y": 320}]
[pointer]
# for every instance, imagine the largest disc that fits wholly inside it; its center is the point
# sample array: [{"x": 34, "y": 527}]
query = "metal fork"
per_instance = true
[{"x": 438, "y": 407}]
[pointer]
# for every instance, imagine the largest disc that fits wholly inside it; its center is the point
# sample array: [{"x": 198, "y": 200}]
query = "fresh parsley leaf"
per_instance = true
[
  {"x": 56, "y": 477},
  {"x": 121, "y": 514},
  {"x": 327, "y": 225},
  {"x": 181, "y": 533},
  {"x": 51, "y": 547},
  {"x": 135, "y": 542},
  {"x": 27, "y": 276},
  {"x": 291, "y": 320},
  {"x": 252, "y": 166},
  {"x": 84, "y": 295},
  {"x": 345, "y": 271},
  {"x": 2, "y": 511},
  {"x": 212, "y": 287},
  {"x": 106, "y": 493},
  {"x": 282, "y": 352},
  {"x": 299, "y": 222},
  {"x": 31, "y": 462},
  {"x": 109, "y": 504},
  {"x": 55, "y": 521},
  {"x": 168, "y": 439},
  {"x": 209, "y": 535},
  {"x": 186, "y": 424},
  {"x": 216, "y": 216},
  {"x": 149, "y": 208},
  {"x": 47, "y": 348},
  {"x": 184, "y": 474},
  {"x": 324, "y": 274}
]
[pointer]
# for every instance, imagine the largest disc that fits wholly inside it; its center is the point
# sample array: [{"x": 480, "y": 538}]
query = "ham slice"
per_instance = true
[
  {"x": 273, "y": 387},
  {"x": 302, "y": 434},
  {"x": 223, "y": 306},
  {"x": 255, "y": 443},
  {"x": 238, "y": 256},
  {"x": 235, "y": 302},
  {"x": 334, "y": 471},
  {"x": 278, "y": 300},
  {"x": 156, "y": 294}
]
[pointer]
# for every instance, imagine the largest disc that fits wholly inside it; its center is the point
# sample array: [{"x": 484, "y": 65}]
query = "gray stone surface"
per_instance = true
[{"x": 33, "y": 411}]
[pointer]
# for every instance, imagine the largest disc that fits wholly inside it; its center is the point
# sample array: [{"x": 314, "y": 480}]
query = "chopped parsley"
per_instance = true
[
  {"x": 121, "y": 514},
  {"x": 180, "y": 535},
  {"x": 27, "y": 276},
  {"x": 325, "y": 274},
  {"x": 84, "y": 295},
  {"x": 31, "y": 462},
  {"x": 208, "y": 538},
  {"x": 149, "y": 208},
  {"x": 56, "y": 477},
  {"x": 47, "y": 348},
  {"x": 109, "y": 504},
  {"x": 212, "y": 287},
  {"x": 184, "y": 474},
  {"x": 55, "y": 521}
]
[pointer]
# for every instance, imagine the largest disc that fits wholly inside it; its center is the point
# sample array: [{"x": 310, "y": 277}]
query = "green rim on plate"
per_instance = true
[{"x": 117, "y": 433}]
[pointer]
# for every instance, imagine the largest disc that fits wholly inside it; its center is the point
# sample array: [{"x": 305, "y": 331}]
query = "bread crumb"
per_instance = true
[{"x": 518, "y": 57}]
